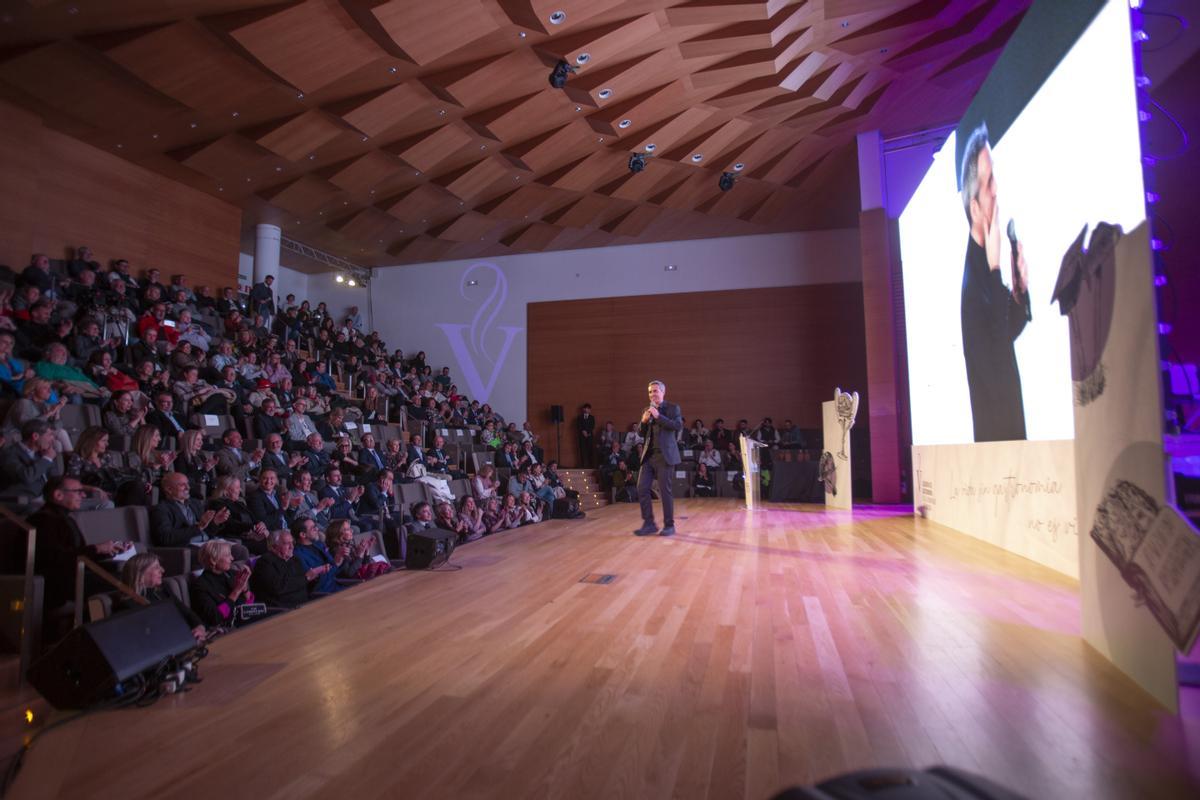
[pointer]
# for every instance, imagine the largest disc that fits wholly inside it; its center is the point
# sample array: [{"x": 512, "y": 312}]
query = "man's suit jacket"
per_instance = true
[
  {"x": 669, "y": 422},
  {"x": 24, "y": 472},
  {"x": 263, "y": 510},
  {"x": 59, "y": 542},
  {"x": 342, "y": 508},
  {"x": 170, "y": 528},
  {"x": 371, "y": 460},
  {"x": 374, "y": 501},
  {"x": 235, "y": 464},
  {"x": 265, "y": 425},
  {"x": 161, "y": 421},
  {"x": 279, "y": 463}
]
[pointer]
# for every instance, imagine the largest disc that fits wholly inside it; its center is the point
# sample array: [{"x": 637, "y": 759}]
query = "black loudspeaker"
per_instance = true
[
  {"x": 86, "y": 666},
  {"x": 556, "y": 414},
  {"x": 429, "y": 549}
]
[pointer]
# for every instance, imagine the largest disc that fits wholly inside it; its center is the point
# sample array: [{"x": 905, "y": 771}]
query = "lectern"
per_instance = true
[{"x": 750, "y": 461}]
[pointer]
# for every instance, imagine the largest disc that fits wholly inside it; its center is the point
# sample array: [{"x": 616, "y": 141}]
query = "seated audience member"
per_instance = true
[
  {"x": 351, "y": 561},
  {"x": 26, "y": 464},
  {"x": 531, "y": 508},
  {"x": 494, "y": 519},
  {"x": 376, "y": 512},
  {"x": 766, "y": 433},
  {"x": 791, "y": 436},
  {"x": 198, "y": 396},
  {"x": 233, "y": 460},
  {"x": 334, "y": 427},
  {"x": 120, "y": 416},
  {"x": 343, "y": 458},
  {"x": 164, "y": 417},
  {"x": 507, "y": 458},
  {"x": 178, "y": 520},
  {"x": 416, "y": 453},
  {"x": 221, "y": 588},
  {"x": 278, "y": 459},
  {"x": 719, "y": 435},
  {"x": 266, "y": 503},
  {"x": 13, "y": 371},
  {"x": 513, "y": 515},
  {"x": 315, "y": 556},
  {"x": 150, "y": 462},
  {"x": 446, "y": 519},
  {"x": 279, "y": 578},
  {"x": 422, "y": 518},
  {"x": 90, "y": 464},
  {"x": 542, "y": 489},
  {"x": 299, "y": 425},
  {"x": 702, "y": 486},
  {"x": 370, "y": 459},
  {"x": 60, "y": 542},
  {"x": 484, "y": 485},
  {"x": 318, "y": 460},
  {"x": 470, "y": 516},
  {"x": 302, "y": 501},
  {"x": 623, "y": 484},
  {"x": 519, "y": 482},
  {"x": 345, "y": 499},
  {"x": 710, "y": 456},
  {"x": 240, "y": 525},
  {"x": 69, "y": 379},
  {"x": 266, "y": 421},
  {"x": 39, "y": 402},
  {"x": 198, "y": 465},
  {"x": 395, "y": 458},
  {"x": 144, "y": 574},
  {"x": 146, "y": 351},
  {"x": 611, "y": 461},
  {"x": 489, "y": 438},
  {"x": 733, "y": 458}
]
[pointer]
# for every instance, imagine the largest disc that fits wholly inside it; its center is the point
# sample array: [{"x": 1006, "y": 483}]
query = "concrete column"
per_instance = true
[
  {"x": 871, "y": 187},
  {"x": 266, "y": 252}
]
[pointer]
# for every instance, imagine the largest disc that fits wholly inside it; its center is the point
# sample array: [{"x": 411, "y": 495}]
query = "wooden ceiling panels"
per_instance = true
[{"x": 394, "y": 131}]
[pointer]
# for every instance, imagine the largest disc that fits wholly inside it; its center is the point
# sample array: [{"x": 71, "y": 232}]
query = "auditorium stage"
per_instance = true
[{"x": 747, "y": 653}]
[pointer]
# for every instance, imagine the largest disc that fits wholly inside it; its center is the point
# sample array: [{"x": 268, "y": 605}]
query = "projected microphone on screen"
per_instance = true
[
  {"x": 1019, "y": 278},
  {"x": 993, "y": 315}
]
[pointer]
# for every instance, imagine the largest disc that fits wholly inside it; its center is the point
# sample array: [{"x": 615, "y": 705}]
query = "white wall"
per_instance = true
[{"x": 429, "y": 306}]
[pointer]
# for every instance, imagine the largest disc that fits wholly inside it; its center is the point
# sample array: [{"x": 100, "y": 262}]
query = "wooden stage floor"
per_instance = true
[{"x": 748, "y": 653}]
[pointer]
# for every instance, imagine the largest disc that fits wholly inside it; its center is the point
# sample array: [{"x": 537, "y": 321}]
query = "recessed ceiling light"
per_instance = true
[
  {"x": 365, "y": 138},
  {"x": 845, "y": 23},
  {"x": 372, "y": 191},
  {"x": 247, "y": 180},
  {"x": 579, "y": 108},
  {"x": 236, "y": 114},
  {"x": 344, "y": 202},
  {"x": 483, "y": 147},
  {"x": 194, "y": 125},
  {"x": 312, "y": 156},
  {"x": 738, "y": 167},
  {"x": 279, "y": 169},
  {"x": 522, "y": 34},
  {"x": 650, "y": 148},
  {"x": 351, "y": 282},
  {"x": 625, "y": 123},
  {"x": 670, "y": 268},
  {"x": 418, "y": 172},
  {"x": 441, "y": 112},
  {"x": 220, "y": 188},
  {"x": 472, "y": 283},
  {"x": 583, "y": 58},
  {"x": 697, "y": 158},
  {"x": 340, "y": 279},
  {"x": 299, "y": 95},
  {"x": 120, "y": 146},
  {"x": 604, "y": 94},
  {"x": 154, "y": 136},
  {"x": 393, "y": 70},
  {"x": 600, "y": 140},
  {"x": 72, "y": 10},
  {"x": 558, "y": 17}
]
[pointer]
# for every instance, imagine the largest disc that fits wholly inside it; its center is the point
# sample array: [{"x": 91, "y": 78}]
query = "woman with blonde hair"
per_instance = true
[
  {"x": 38, "y": 401},
  {"x": 150, "y": 462},
  {"x": 220, "y": 588},
  {"x": 484, "y": 484},
  {"x": 197, "y": 465},
  {"x": 144, "y": 574}
]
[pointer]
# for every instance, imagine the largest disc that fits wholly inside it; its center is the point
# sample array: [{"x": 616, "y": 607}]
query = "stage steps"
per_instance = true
[{"x": 587, "y": 483}]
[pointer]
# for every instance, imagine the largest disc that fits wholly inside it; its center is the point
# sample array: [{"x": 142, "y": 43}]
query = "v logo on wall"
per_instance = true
[{"x": 473, "y": 344}]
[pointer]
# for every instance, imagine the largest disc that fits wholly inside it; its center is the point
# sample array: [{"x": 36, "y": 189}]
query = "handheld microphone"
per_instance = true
[{"x": 1016, "y": 273}]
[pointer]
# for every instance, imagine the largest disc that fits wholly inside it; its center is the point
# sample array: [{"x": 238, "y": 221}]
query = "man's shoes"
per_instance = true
[
  {"x": 668, "y": 531},
  {"x": 646, "y": 530}
]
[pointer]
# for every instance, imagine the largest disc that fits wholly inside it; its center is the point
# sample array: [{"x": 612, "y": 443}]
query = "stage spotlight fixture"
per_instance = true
[
  {"x": 637, "y": 162},
  {"x": 340, "y": 279},
  {"x": 726, "y": 181},
  {"x": 560, "y": 73}
]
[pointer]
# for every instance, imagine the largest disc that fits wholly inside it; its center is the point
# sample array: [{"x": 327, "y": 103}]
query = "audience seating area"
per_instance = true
[{"x": 271, "y": 449}]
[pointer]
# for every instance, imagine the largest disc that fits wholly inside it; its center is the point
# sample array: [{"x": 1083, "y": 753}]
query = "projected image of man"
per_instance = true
[{"x": 993, "y": 316}]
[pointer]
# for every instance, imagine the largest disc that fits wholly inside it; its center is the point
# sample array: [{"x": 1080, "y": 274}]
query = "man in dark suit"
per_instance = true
[
  {"x": 165, "y": 418},
  {"x": 279, "y": 578},
  {"x": 318, "y": 459},
  {"x": 660, "y": 455},
  {"x": 265, "y": 504},
  {"x": 587, "y": 430},
  {"x": 178, "y": 520},
  {"x": 992, "y": 315},
  {"x": 415, "y": 450},
  {"x": 233, "y": 460},
  {"x": 277, "y": 459},
  {"x": 25, "y": 465},
  {"x": 266, "y": 422},
  {"x": 345, "y": 500},
  {"x": 437, "y": 460},
  {"x": 370, "y": 458},
  {"x": 60, "y": 542}
]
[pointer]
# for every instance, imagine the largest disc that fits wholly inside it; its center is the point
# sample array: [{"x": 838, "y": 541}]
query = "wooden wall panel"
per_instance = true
[
  {"x": 61, "y": 192},
  {"x": 749, "y": 353}
]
